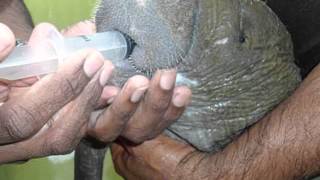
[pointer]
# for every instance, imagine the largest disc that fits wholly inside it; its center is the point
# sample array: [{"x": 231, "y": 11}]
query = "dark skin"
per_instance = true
[
  {"x": 52, "y": 115},
  {"x": 32, "y": 119}
]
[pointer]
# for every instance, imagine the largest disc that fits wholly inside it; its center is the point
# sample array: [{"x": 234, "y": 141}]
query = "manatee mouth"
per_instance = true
[
  {"x": 148, "y": 60},
  {"x": 131, "y": 45}
]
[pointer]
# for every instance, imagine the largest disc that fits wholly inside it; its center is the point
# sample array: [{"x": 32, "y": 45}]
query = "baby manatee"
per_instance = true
[{"x": 235, "y": 55}]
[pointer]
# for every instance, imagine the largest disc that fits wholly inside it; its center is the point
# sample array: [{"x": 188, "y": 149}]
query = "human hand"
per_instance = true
[
  {"x": 7, "y": 43},
  {"x": 142, "y": 109},
  {"x": 59, "y": 104},
  {"x": 156, "y": 159},
  {"x": 13, "y": 88}
]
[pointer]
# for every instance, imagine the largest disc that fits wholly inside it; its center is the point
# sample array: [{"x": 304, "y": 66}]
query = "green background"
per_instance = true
[{"x": 62, "y": 13}]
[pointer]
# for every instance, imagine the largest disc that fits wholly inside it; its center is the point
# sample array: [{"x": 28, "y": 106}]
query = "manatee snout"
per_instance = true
[
  {"x": 235, "y": 55},
  {"x": 161, "y": 40}
]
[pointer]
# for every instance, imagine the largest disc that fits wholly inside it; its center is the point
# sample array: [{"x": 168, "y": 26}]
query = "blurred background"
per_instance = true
[{"x": 62, "y": 13}]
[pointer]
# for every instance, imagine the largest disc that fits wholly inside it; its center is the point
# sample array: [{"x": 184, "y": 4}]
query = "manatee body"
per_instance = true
[{"x": 235, "y": 55}]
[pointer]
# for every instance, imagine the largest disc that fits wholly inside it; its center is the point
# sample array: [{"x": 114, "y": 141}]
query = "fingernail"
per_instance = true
[
  {"x": 110, "y": 101},
  {"x": 3, "y": 88},
  {"x": 93, "y": 63},
  {"x": 41, "y": 33},
  {"x": 168, "y": 79},
  {"x": 138, "y": 94},
  {"x": 106, "y": 74},
  {"x": 6, "y": 36},
  {"x": 179, "y": 100}
]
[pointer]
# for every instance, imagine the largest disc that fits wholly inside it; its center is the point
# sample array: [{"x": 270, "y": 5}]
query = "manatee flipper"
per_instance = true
[{"x": 89, "y": 159}]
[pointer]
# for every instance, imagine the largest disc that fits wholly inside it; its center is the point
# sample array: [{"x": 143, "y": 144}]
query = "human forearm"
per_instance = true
[{"x": 252, "y": 156}]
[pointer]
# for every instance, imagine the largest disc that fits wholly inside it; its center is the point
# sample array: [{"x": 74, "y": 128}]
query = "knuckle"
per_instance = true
[
  {"x": 45, "y": 148},
  {"x": 137, "y": 81},
  {"x": 60, "y": 141},
  {"x": 69, "y": 85},
  {"x": 91, "y": 94},
  {"x": 107, "y": 138},
  {"x": 171, "y": 117},
  {"x": 122, "y": 115},
  {"x": 60, "y": 146},
  {"x": 99, "y": 136},
  {"x": 160, "y": 106},
  {"x": 135, "y": 136},
  {"x": 56, "y": 149},
  {"x": 20, "y": 122}
]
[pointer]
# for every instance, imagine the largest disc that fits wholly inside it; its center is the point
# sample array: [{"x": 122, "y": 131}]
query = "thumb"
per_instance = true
[
  {"x": 81, "y": 28},
  {"x": 162, "y": 154}
]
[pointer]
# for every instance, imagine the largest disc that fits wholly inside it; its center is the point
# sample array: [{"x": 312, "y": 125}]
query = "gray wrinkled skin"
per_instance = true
[{"x": 235, "y": 55}]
